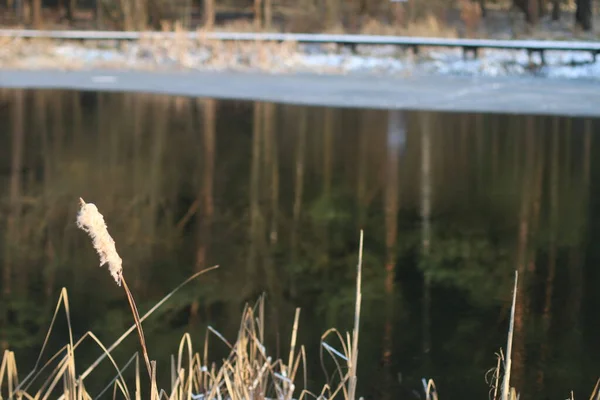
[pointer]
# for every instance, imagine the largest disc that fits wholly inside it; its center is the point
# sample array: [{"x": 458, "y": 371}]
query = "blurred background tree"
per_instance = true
[{"x": 429, "y": 17}]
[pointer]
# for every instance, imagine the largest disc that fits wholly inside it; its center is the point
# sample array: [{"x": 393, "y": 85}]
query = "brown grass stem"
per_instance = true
[
  {"x": 354, "y": 356},
  {"x": 508, "y": 361},
  {"x": 138, "y": 325}
]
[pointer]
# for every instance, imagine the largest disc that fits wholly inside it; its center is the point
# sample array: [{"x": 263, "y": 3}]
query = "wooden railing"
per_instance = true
[{"x": 415, "y": 43}]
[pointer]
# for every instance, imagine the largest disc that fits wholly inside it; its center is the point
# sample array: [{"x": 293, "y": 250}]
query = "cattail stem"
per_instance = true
[
  {"x": 138, "y": 325},
  {"x": 92, "y": 222}
]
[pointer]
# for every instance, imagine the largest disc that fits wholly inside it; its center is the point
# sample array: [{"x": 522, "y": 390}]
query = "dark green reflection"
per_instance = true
[{"x": 276, "y": 194}]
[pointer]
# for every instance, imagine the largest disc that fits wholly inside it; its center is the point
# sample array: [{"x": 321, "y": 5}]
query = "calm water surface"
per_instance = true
[{"x": 451, "y": 205}]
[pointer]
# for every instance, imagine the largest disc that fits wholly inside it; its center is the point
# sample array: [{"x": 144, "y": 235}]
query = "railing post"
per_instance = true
[
  {"x": 351, "y": 46},
  {"x": 467, "y": 50}
]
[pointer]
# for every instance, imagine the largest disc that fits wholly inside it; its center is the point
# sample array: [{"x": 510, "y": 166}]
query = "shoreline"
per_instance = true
[{"x": 505, "y": 95}]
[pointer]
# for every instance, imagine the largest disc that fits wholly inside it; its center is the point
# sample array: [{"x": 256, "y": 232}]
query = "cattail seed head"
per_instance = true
[{"x": 91, "y": 221}]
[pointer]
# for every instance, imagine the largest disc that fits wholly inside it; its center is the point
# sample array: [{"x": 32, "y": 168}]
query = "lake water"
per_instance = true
[{"x": 451, "y": 205}]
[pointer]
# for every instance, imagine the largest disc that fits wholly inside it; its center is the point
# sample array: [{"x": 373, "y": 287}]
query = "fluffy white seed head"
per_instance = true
[{"x": 91, "y": 221}]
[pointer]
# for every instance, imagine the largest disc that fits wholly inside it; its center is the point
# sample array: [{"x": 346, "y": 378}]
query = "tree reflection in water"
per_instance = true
[{"x": 451, "y": 205}]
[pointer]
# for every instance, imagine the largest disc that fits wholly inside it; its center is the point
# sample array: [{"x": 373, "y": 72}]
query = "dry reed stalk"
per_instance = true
[
  {"x": 92, "y": 222},
  {"x": 8, "y": 368},
  {"x": 497, "y": 380},
  {"x": 596, "y": 392},
  {"x": 353, "y": 361},
  {"x": 508, "y": 361}
]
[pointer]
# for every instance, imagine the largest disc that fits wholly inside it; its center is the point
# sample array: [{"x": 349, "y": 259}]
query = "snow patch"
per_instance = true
[{"x": 315, "y": 58}]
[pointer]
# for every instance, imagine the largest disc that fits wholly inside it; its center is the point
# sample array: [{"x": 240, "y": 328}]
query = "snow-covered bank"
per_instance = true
[{"x": 288, "y": 58}]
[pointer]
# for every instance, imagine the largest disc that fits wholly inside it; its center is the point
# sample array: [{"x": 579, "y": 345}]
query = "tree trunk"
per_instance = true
[
  {"x": 532, "y": 14},
  {"x": 268, "y": 14},
  {"x": 527, "y": 6},
  {"x": 19, "y": 10},
  {"x": 71, "y": 8},
  {"x": 363, "y": 8},
  {"x": 60, "y": 5},
  {"x": 98, "y": 15},
  {"x": 141, "y": 14},
  {"x": 542, "y": 8},
  {"x": 555, "y": 10},
  {"x": 483, "y": 8},
  {"x": 127, "y": 9},
  {"x": 257, "y": 14},
  {"x": 583, "y": 15},
  {"x": 37, "y": 14},
  {"x": 332, "y": 13},
  {"x": 209, "y": 14}
]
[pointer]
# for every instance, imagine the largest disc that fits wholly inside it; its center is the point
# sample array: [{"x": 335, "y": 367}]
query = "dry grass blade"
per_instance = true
[
  {"x": 507, "y": 362},
  {"x": 596, "y": 391},
  {"x": 138, "y": 386},
  {"x": 353, "y": 362},
  {"x": 118, "y": 377},
  {"x": 60, "y": 370},
  {"x": 494, "y": 380},
  {"x": 64, "y": 300},
  {"x": 187, "y": 339},
  {"x": 153, "y": 390},
  {"x": 9, "y": 369},
  {"x": 142, "y": 319},
  {"x": 217, "y": 334},
  {"x": 335, "y": 354},
  {"x": 430, "y": 389},
  {"x": 288, "y": 370},
  {"x": 120, "y": 383}
]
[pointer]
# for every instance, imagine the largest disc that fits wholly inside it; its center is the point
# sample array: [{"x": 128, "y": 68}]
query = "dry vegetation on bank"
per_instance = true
[{"x": 474, "y": 18}]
